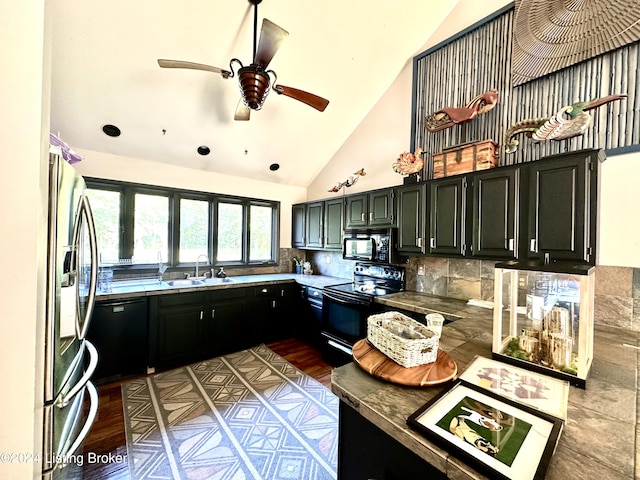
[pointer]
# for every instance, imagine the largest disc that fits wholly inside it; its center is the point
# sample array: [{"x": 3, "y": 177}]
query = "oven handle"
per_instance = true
[{"x": 343, "y": 301}]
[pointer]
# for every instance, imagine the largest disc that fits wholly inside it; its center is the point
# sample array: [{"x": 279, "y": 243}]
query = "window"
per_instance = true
[
  {"x": 194, "y": 229},
  {"x": 144, "y": 225},
  {"x": 105, "y": 205}
]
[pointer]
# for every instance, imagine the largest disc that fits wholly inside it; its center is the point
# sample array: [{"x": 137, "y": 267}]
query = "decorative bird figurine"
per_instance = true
[
  {"x": 349, "y": 181},
  {"x": 408, "y": 163},
  {"x": 450, "y": 116},
  {"x": 570, "y": 121}
]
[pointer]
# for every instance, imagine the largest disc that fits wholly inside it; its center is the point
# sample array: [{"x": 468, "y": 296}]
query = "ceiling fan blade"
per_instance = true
[
  {"x": 310, "y": 99},
  {"x": 193, "y": 66},
  {"x": 242, "y": 112},
  {"x": 271, "y": 37}
]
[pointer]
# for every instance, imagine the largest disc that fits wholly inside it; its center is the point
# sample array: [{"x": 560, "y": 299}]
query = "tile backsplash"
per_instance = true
[{"x": 617, "y": 289}]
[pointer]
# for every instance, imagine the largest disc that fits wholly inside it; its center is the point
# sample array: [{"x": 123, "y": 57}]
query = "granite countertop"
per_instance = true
[
  {"x": 144, "y": 287},
  {"x": 598, "y": 439}
]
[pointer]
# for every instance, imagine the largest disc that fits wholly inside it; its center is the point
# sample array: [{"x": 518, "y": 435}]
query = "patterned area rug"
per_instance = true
[{"x": 247, "y": 415}]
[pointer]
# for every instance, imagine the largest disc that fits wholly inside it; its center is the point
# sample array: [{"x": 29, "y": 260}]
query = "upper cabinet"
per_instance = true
[
  {"x": 562, "y": 207},
  {"x": 375, "y": 209},
  {"x": 411, "y": 218},
  {"x": 447, "y": 215},
  {"x": 494, "y": 213},
  {"x": 318, "y": 225}
]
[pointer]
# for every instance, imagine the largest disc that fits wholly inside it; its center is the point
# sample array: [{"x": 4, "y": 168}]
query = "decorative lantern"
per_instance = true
[{"x": 543, "y": 318}]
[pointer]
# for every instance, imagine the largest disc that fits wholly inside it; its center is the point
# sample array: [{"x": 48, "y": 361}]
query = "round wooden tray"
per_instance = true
[{"x": 376, "y": 363}]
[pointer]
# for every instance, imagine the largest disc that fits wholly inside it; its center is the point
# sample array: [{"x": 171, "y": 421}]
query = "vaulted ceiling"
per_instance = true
[{"x": 105, "y": 72}]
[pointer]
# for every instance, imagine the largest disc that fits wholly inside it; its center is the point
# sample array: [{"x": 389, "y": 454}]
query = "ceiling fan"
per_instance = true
[{"x": 255, "y": 80}]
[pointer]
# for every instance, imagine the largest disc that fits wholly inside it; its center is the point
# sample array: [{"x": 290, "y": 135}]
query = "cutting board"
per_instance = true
[{"x": 373, "y": 361}]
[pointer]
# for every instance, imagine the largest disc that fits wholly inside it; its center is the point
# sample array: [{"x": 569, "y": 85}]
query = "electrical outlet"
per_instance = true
[
  {"x": 420, "y": 269},
  {"x": 522, "y": 281},
  {"x": 327, "y": 259}
]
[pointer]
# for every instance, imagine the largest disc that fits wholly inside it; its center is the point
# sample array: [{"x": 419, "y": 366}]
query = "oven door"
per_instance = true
[{"x": 344, "y": 320}]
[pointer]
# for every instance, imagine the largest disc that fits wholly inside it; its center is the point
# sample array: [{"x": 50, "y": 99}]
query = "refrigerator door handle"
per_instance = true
[
  {"x": 65, "y": 397},
  {"x": 68, "y": 450},
  {"x": 82, "y": 325}
]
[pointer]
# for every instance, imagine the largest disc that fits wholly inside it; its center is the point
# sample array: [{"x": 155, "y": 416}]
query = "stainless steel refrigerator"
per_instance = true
[{"x": 70, "y": 399}]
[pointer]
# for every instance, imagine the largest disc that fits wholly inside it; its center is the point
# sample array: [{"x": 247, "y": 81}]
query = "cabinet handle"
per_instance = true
[
  {"x": 213, "y": 313},
  {"x": 371, "y": 217},
  {"x": 264, "y": 290},
  {"x": 273, "y": 304},
  {"x": 511, "y": 244},
  {"x": 201, "y": 314},
  {"x": 316, "y": 294},
  {"x": 362, "y": 217},
  {"x": 282, "y": 292},
  {"x": 419, "y": 242},
  {"x": 432, "y": 242},
  {"x": 533, "y": 245}
]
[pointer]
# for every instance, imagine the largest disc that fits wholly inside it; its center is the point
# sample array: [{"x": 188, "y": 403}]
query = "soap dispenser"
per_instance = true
[{"x": 221, "y": 273}]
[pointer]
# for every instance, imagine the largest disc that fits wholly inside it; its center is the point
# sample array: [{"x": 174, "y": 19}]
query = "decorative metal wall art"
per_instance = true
[
  {"x": 570, "y": 121},
  {"x": 550, "y": 35},
  {"x": 349, "y": 181},
  {"x": 450, "y": 116},
  {"x": 409, "y": 163},
  {"x": 480, "y": 58}
]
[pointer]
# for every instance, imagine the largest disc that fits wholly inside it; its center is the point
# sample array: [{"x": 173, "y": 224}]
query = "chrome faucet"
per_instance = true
[{"x": 198, "y": 263}]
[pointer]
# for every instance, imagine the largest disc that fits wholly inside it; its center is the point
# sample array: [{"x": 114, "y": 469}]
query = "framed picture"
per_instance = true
[
  {"x": 499, "y": 437},
  {"x": 539, "y": 391}
]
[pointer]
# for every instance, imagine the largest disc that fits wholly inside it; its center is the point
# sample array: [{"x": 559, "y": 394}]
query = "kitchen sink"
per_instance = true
[
  {"x": 187, "y": 282},
  {"x": 217, "y": 281}
]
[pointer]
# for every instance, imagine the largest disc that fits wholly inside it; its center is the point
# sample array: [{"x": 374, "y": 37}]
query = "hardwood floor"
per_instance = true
[{"x": 107, "y": 436}]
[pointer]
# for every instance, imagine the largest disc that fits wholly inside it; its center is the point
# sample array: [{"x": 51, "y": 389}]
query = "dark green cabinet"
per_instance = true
[
  {"x": 315, "y": 225},
  {"x": 225, "y": 325},
  {"x": 375, "y": 209},
  {"x": 494, "y": 208},
  {"x": 447, "y": 216},
  {"x": 298, "y": 225},
  {"x": 318, "y": 225},
  {"x": 562, "y": 209},
  {"x": 271, "y": 317},
  {"x": 177, "y": 327},
  {"x": 411, "y": 218},
  {"x": 333, "y": 213}
]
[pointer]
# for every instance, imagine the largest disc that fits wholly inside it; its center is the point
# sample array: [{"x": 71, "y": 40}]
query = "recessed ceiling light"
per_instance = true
[
  {"x": 204, "y": 150},
  {"x": 274, "y": 166},
  {"x": 111, "y": 130}
]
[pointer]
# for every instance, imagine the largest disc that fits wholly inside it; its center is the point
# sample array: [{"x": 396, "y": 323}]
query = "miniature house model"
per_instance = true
[{"x": 543, "y": 319}]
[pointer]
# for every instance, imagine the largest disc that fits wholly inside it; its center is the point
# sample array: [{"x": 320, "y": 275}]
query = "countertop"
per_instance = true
[
  {"x": 144, "y": 287},
  {"x": 598, "y": 439}
]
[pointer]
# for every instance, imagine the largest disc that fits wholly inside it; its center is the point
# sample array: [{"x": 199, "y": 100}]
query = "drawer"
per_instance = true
[
  {"x": 267, "y": 291},
  {"x": 228, "y": 294},
  {"x": 314, "y": 294},
  {"x": 178, "y": 299}
]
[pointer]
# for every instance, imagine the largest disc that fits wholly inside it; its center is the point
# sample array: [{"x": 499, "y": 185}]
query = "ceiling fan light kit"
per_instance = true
[{"x": 255, "y": 80}]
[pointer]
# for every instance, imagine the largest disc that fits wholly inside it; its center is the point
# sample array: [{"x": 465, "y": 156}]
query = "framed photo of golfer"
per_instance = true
[{"x": 499, "y": 437}]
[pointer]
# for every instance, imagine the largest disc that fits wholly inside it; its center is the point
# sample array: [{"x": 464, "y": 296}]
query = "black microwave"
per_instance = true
[{"x": 376, "y": 247}]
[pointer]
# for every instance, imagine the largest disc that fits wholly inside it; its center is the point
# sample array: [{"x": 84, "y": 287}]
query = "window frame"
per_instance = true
[{"x": 128, "y": 191}]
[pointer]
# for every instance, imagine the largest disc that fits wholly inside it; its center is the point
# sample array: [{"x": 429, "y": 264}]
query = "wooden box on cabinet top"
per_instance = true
[{"x": 465, "y": 158}]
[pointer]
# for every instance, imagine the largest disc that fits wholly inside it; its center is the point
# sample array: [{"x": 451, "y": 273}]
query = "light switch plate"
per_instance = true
[{"x": 420, "y": 269}]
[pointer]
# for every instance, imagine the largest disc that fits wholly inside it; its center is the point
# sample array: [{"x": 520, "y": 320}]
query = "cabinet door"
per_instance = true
[
  {"x": 333, "y": 213},
  {"x": 272, "y": 312},
  {"x": 178, "y": 319},
  {"x": 447, "y": 205},
  {"x": 382, "y": 208},
  {"x": 356, "y": 211},
  {"x": 411, "y": 218},
  {"x": 315, "y": 220},
  {"x": 298, "y": 227},
  {"x": 560, "y": 209},
  {"x": 495, "y": 213}
]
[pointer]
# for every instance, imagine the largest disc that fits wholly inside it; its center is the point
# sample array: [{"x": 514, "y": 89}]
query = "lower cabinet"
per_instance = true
[
  {"x": 177, "y": 328},
  {"x": 366, "y": 452},
  {"x": 271, "y": 319},
  {"x": 120, "y": 331},
  {"x": 225, "y": 326}
]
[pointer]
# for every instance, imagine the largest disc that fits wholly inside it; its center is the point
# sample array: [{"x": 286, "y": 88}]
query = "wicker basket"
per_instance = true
[{"x": 402, "y": 339}]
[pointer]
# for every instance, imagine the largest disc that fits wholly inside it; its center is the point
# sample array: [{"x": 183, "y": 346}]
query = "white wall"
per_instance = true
[
  {"x": 23, "y": 120},
  {"x": 103, "y": 165}
]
